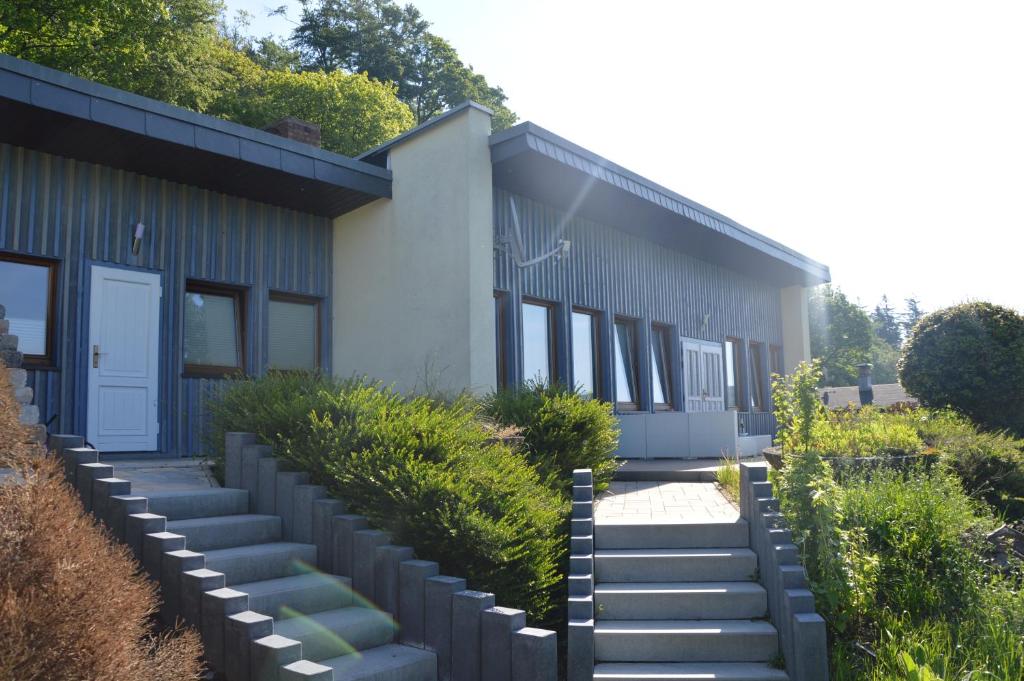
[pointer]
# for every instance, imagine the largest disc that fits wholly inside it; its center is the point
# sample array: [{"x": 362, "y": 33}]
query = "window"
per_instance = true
[
  {"x": 213, "y": 329},
  {"x": 585, "y": 355},
  {"x": 756, "y": 376},
  {"x": 500, "y": 326},
  {"x": 775, "y": 359},
  {"x": 733, "y": 374},
  {"x": 661, "y": 366},
  {"x": 538, "y": 342},
  {"x": 30, "y": 312},
  {"x": 627, "y": 393},
  {"x": 293, "y": 341}
]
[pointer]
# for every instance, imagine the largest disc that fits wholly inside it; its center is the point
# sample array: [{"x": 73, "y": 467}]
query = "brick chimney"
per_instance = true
[
  {"x": 867, "y": 390},
  {"x": 298, "y": 130}
]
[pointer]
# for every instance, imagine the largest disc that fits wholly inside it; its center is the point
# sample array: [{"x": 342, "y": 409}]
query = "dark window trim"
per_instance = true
[
  {"x": 662, "y": 335},
  {"x": 501, "y": 338},
  {"x": 595, "y": 342},
  {"x": 237, "y": 293},
  {"x": 755, "y": 357},
  {"x": 775, "y": 352},
  {"x": 635, "y": 324},
  {"x": 552, "y": 308},
  {"x": 738, "y": 369},
  {"x": 45, "y": 361},
  {"x": 302, "y": 299}
]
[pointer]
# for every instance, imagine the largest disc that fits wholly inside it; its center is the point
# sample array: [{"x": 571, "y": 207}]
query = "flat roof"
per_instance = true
[
  {"x": 52, "y": 111},
  {"x": 537, "y": 163}
]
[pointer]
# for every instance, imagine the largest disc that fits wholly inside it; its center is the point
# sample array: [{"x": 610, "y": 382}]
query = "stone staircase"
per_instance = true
[
  {"x": 676, "y": 597},
  {"x": 12, "y": 358}
]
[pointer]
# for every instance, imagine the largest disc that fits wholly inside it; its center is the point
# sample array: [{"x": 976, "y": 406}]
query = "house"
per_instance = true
[{"x": 147, "y": 251}]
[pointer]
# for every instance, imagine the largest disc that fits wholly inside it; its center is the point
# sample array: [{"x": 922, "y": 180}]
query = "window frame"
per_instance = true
[
  {"x": 501, "y": 338},
  {"x": 755, "y": 356},
  {"x": 775, "y": 360},
  {"x": 46, "y": 361},
  {"x": 238, "y": 294},
  {"x": 738, "y": 370},
  {"x": 595, "y": 346},
  {"x": 634, "y": 324},
  {"x": 301, "y": 299},
  {"x": 661, "y": 339},
  {"x": 552, "y": 312}
]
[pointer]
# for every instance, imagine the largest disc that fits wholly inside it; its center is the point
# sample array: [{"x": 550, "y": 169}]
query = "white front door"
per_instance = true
[
  {"x": 124, "y": 360},
  {"x": 702, "y": 376}
]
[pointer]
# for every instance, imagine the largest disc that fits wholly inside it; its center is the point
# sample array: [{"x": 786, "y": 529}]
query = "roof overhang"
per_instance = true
[
  {"x": 51, "y": 111},
  {"x": 534, "y": 162}
]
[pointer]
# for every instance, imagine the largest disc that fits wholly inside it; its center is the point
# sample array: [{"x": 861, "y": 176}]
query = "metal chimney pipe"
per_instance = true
[{"x": 867, "y": 390}]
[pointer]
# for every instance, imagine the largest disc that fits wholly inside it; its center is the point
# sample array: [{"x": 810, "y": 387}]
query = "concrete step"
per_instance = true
[
  {"x": 5, "y": 326},
  {"x": 680, "y": 601},
  {"x": 628, "y": 535},
  {"x": 18, "y": 377},
  {"x": 29, "y": 415},
  {"x": 334, "y": 633},
  {"x": 8, "y": 341},
  {"x": 23, "y": 395},
  {"x": 241, "y": 564},
  {"x": 305, "y": 594},
  {"x": 685, "y": 641},
  {"x": 687, "y": 671},
  {"x": 221, "y": 532},
  {"x": 385, "y": 663},
  {"x": 675, "y": 565},
  {"x": 199, "y": 503}
]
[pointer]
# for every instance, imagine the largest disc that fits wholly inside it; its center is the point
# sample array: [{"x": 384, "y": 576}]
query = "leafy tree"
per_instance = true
[
  {"x": 883, "y": 360},
  {"x": 886, "y": 323},
  {"x": 912, "y": 316},
  {"x": 841, "y": 335},
  {"x": 392, "y": 43}
]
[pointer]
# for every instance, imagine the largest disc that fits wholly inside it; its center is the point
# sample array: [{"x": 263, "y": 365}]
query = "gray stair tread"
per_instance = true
[
  {"x": 685, "y": 671},
  {"x": 296, "y": 595},
  {"x": 625, "y": 533},
  {"x": 385, "y": 663},
  {"x": 679, "y": 600},
  {"x": 199, "y": 502},
  {"x": 335, "y": 633},
  {"x": 725, "y": 627},
  {"x": 673, "y": 553},
  {"x": 225, "y": 531},
  {"x": 685, "y": 641},
  {"x": 257, "y": 562},
  {"x": 639, "y": 588}
]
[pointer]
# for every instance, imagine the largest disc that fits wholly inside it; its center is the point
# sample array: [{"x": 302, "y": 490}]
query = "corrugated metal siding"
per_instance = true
[
  {"x": 621, "y": 274},
  {"x": 79, "y": 212}
]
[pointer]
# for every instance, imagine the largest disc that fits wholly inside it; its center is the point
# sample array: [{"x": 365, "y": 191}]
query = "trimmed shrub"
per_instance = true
[
  {"x": 969, "y": 357},
  {"x": 562, "y": 430},
  {"x": 72, "y": 603},
  {"x": 864, "y": 432}
]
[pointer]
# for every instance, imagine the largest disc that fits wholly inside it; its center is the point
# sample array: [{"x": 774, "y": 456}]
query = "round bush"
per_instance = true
[{"x": 969, "y": 357}]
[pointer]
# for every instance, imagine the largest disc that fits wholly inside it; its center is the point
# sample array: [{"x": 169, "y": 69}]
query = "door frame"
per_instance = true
[{"x": 83, "y": 352}]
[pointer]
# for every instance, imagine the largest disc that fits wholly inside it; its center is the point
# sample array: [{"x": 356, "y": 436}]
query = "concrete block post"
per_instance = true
[
  {"x": 138, "y": 525},
  {"x": 580, "y": 642},
  {"x": 155, "y": 545},
  {"x": 324, "y": 511},
  {"x": 266, "y": 486},
  {"x": 534, "y": 655},
  {"x": 302, "y": 511},
  {"x": 269, "y": 654},
  {"x": 304, "y": 670},
  {"x": 250, "y": 469},
  {"x": 87, "y": 474},
  {"x": 467, "y": 607},
  {"x": 438, "y": 638},
  {"x": 75, "y": 456},
  {"x": 194, "y": 583},
  {"x": 233, "y": 444},
  {"x": 412, "y": 576},
  {"x": 121, "y": 506},
  {"x": 364, "y": 550},
  {"x": 287, "y": 481},
  {"x": 810, "y": 648},
  {"x": 58, "y": 443},
  {"x": 172, "y": 566},
  {"x": 343, "y": 529},
  {"x": 217, "y": 606},
  {"x": 102, "y": 490},
  {"x": 240, "y": 630},
  {"x": 387, "y": 559},
  {"x": 580, "y": 662},
  {"x": 496, "y": 627}
]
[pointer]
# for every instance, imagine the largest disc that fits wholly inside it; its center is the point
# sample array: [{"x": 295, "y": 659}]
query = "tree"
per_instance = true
[
  {"x": 841, "y": 335},
  {"x": 392, "y": 43},
  {"x": 912, "y": 316},
  {"x": 887, "y": 326},
  {"x": 969, "y": 357}
]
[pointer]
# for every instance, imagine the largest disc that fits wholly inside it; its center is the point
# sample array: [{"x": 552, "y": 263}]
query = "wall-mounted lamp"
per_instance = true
[{"x": 140, "y": 230}]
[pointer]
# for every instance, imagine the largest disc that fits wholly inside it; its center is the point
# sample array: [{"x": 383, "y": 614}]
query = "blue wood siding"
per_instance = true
[
  {"x": 617, "y": 273},
  {"x": 79, "y": 213}
]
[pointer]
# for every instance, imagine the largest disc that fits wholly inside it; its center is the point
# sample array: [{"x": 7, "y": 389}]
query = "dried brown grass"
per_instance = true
[{"x": 73, "y": 605}]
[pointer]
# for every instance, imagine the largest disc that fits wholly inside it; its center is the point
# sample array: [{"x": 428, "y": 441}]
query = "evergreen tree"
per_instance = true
[{"x": 886, "y": 324}]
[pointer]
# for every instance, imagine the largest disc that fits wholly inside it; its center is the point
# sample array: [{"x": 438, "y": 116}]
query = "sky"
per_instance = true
[{"x": 884, "y": 139}]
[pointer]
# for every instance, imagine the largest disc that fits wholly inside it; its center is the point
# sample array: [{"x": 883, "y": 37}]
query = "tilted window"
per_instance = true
[
  {"x": 538, "y": 341},
  {"x": 627, "y": 384},
  {"x": 585, "y": 355},
  {"x": 294, "y": 332},
  {"x": 661, "y": 366},
  {"x": 29, "y": 286},
  {"x": 214, "y": 329}
]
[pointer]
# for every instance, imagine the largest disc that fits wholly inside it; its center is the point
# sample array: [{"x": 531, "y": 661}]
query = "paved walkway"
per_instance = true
[{"x": 644, "y": 502}]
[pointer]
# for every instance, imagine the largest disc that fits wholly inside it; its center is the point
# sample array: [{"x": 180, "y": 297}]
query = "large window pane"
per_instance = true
[
  {"x": 731, "y": 385},
  {"x": 756, "y": 377},
  {"x": 212, "y": 331},
  {"x": 661, "y": 367},
  {"x": 584, "y": 354},
  {"x": 293, "y": 334},
  {"x": 26, "y": 295},
  {"x": 626, "y": 391},
  {"x": 536, "y": 343}
]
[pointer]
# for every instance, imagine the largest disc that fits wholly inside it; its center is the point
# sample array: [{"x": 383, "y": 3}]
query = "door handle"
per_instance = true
[{"x": 96, "y": 356}]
